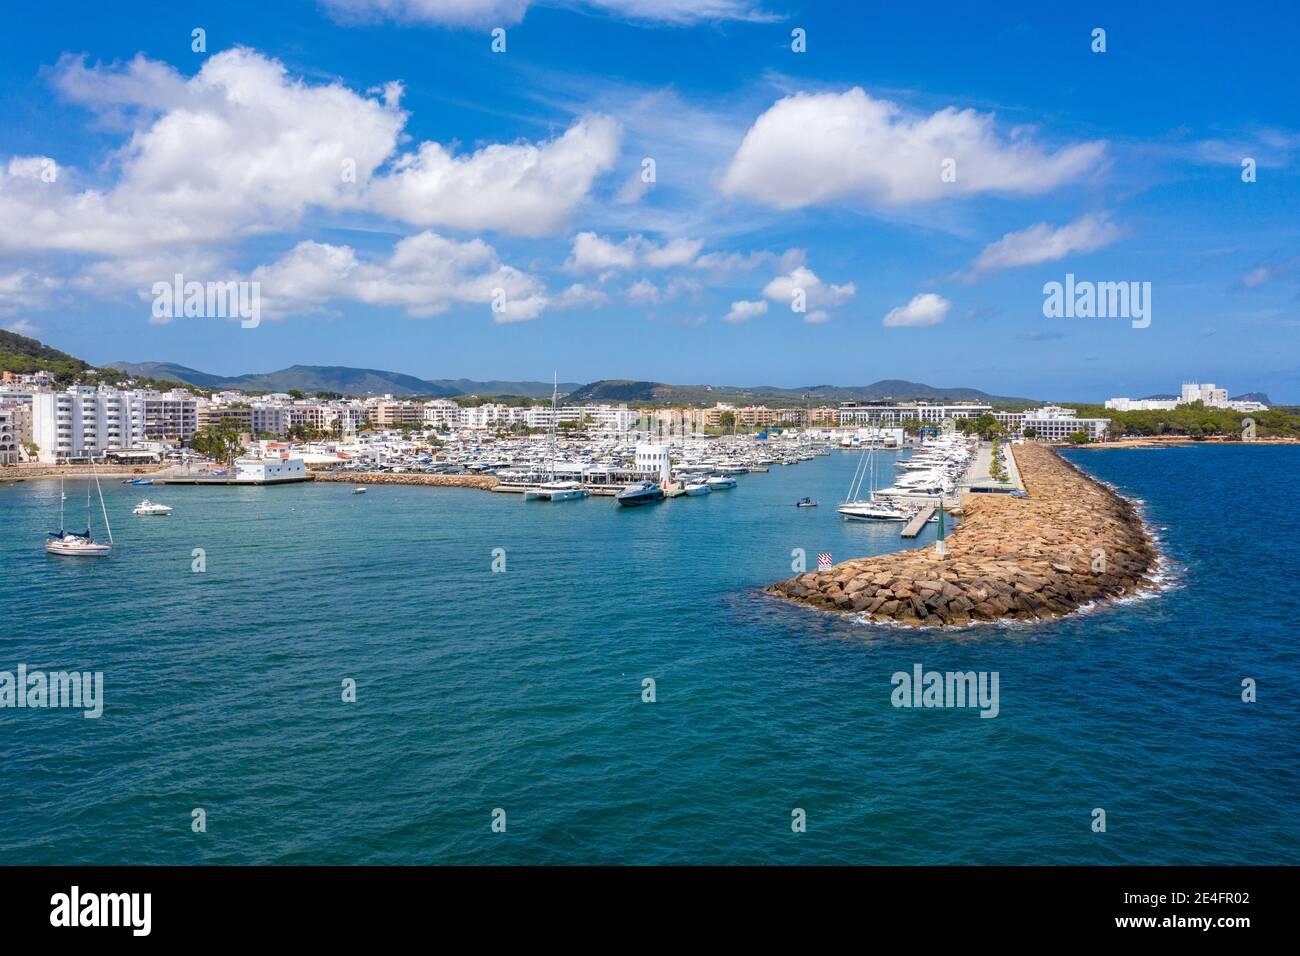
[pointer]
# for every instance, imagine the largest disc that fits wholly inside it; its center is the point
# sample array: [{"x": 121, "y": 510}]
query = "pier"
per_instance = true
[
  {"x": 1068, "y": 542},
  {"x": 923, "y": 516}
]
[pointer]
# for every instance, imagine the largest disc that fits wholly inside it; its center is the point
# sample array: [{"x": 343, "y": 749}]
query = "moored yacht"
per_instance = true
[
  {"x": 81, "y": 544},
  {"x": 640, "y": 493},
  {"x": 556, "y": 491},
  {"x": 148, "y": 507},
  {"x": 874, "y": 511}
]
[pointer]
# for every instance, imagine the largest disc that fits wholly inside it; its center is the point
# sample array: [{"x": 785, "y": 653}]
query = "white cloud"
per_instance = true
[
  {"x": 522, "y": 188},
  {"x": 23, "y": 327},
  {"x": 742, "y": 262},
  {"x": 643, "y": 292},
  {"x": 240, "y": 148},
  {"x": 25, "y": 290},
  {"x": 491, "y": 13},
  {"x": 817, "y": 295},
  {"x": 819, "y": 147},
  {"x": 1043, "y": 243},
  {"x": 581, "y": 296},
  {"x": 425, "y": 275},
  {"x": 924, "y": 309},
  {"x": 743, "y": 311},
  {"x": 593, "y": 253}
]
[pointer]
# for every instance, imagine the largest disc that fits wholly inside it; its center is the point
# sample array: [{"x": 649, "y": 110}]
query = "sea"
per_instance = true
[{"x": 303, "y": 675}]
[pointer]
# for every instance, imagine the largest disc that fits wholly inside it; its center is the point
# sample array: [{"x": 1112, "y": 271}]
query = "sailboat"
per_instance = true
[
  {"x": 80, "y": 543},
  {"x": 856, "y": 508},
  {"x": 551, "y": 489}
]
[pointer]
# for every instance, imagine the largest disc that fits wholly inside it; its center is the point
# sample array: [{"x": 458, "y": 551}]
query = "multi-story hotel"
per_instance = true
[
  {"x": 1053, "y": 423},
  {"x": 1209, "y": 395}
]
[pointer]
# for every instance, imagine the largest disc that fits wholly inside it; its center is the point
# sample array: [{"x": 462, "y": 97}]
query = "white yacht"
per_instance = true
[
  {"x": 874, "y": 511},
  {"x": 695, "y": 488},
  {"x": 553, "y": 489},
  {"x": 556, "y": 491},
  {"x": 720, "y": 482},
  {"x": 148, "y": 507}
]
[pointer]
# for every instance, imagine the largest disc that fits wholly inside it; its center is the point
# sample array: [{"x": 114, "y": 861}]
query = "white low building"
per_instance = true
[{"x": 269, "y": 469}]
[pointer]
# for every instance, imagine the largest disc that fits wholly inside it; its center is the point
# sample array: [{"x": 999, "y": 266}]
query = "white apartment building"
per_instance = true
[
  {"x": 8, "y": 435},
  {"x": 84, "y": 421},
  {"x": 165, "y": 415},
  {"x": 874, "y": 413}
]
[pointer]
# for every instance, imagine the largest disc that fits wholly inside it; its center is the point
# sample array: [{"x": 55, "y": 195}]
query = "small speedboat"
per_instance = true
[
  {"x": 148, "y": 507},
  {"x": 805, "y": 503},
  {"x": 359, "y": 490}
]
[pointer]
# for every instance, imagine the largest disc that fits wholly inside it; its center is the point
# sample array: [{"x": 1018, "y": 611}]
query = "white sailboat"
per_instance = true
[
  {"x": 856, "y": 508},
  {"x": 552, "y": 489},
  {"x": 80, "y": 543}
]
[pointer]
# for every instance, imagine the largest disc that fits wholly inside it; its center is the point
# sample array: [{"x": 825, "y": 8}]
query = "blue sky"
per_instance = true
[{"x": 517, "y": 175}]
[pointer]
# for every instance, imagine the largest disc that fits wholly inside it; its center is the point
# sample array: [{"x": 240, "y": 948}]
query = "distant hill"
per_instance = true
[
  {"x": 624, "y": 390},
  {"x": 1260, "y": 397},
  {"x": 339, "y": 378}
]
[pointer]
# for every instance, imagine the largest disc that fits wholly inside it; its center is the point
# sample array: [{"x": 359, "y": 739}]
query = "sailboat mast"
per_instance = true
[
  {"x": 62, "y": 496},
  {"x": 555, "y": 391},
  {"x": 102, "y": 507}
]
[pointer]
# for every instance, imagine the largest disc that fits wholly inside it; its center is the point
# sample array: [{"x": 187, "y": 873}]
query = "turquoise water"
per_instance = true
[{"x": 522, "y": 690}]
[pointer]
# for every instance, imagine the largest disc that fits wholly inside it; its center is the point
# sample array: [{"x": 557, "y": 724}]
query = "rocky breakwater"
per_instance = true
[
  {"x": 482, "y": 482},
  {"x": 1072, "y": 541}
]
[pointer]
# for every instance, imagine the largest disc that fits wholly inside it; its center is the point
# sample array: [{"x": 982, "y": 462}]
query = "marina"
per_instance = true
[{"x": 595, "y": 598}]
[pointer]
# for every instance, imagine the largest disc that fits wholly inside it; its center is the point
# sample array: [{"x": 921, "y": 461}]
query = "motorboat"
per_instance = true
[
  {"x": 695, "y": 488},
  {"x": 720, "y": 482},
  {"x": 148, "y": 507},
  {"x": 639, "y": 493},
  {"x": 805, "y": 503},
  {"x": 359, "y": 490}
]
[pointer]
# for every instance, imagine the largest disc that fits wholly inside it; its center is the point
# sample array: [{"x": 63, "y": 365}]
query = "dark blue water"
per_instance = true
[{"x": 522, "y": 690}]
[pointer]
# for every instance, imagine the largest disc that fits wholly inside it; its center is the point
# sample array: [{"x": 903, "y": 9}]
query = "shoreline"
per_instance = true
[
  {"x": 1181, "y": 441},
  {"x": 1072, "y": 544}
]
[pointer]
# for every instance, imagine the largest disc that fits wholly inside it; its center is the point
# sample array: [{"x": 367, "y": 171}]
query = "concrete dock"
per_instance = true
[{"x": 914, "y": 526}]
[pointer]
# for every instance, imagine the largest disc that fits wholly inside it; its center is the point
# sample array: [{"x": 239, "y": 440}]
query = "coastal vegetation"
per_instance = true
[{"x": 1195, "y": 420}]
